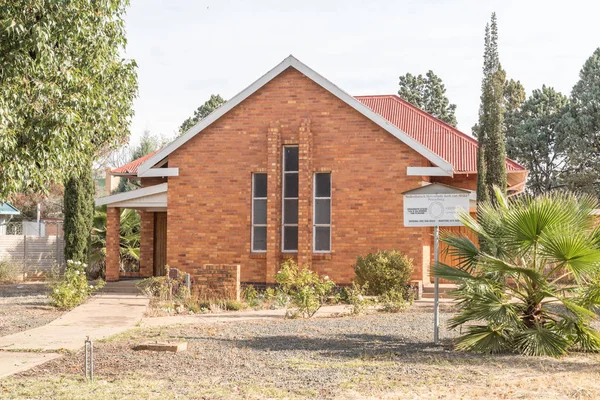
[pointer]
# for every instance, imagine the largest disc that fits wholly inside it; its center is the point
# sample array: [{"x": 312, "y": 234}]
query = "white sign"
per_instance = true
[{"x": 434, "y": 209}]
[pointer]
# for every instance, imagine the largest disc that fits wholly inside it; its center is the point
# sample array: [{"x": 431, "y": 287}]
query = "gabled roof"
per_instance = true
[
  {"x": 457, "y": 148},
  {"x": 131, "y": 169},
  {"x": 292, "y": 62},
  {"x": 8, "y": 209}
]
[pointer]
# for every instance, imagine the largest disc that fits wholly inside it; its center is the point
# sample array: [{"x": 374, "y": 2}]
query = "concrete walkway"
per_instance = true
[
  {"x": 15, "y": 362},
  {"x": 103, "y": 315}
]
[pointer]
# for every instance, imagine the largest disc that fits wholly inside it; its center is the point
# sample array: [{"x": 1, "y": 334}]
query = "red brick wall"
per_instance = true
[
  {"x": 113, "y": 237},
  {"x": 209, "y": 203},
  {"x": 216, "y": 281},
  {"x": 146, "y": 244}
]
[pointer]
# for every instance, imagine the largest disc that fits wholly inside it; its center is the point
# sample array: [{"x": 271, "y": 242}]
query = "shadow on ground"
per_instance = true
[{"x": 386, "y": 348}]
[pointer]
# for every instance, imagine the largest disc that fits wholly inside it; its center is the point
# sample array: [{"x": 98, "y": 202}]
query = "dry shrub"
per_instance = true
[{"x": 10, "y": 272}]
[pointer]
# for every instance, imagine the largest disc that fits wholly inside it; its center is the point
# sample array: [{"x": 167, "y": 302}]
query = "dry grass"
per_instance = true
[
  {"x": 374, "y": 356},
  {"x": 10, "y": 272},
  {"x": 24, "y": 306}
]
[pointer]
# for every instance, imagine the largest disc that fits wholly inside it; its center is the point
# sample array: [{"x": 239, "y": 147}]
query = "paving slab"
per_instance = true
[
  {"x": 173, "y": 347},
  {"x": 101, "y": 316},
  {"x": 14, "y": 362}
]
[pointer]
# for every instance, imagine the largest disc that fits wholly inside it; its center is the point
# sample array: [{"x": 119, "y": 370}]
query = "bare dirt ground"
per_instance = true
[
  {"x": 24, "y": 306},
  {"x": 373, "y": 356}
]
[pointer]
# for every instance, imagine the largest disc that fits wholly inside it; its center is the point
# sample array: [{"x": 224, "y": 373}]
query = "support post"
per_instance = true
[
  {"x": 436, "y": 287},
  {"x": 113, "y": 237},
  {"x": 89, "y": 359},
  {"x": 24, "y": 246}
]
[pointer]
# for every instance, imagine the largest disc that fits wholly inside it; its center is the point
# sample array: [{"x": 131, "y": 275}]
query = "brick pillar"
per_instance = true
[
  {"x": 146, "y": 244},
  {"x": 305, "y": 193},
  {"x": 113, "y": 227},
  {"x": 273, "y": 201}
]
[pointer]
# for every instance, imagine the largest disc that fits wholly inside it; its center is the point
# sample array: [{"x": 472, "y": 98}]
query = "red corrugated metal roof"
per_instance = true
[
  {"x": 132, "y": 167},
  {"x": 452, "y": 145}
]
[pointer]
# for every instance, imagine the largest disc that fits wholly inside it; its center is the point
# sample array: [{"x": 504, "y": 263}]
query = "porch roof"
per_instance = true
[
  {"x": 152, "y": 198},
  {"x": 8, "y": 209}
]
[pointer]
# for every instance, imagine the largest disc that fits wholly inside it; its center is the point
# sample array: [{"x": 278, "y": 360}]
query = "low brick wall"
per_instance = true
[{"x": 217, "y": 281}]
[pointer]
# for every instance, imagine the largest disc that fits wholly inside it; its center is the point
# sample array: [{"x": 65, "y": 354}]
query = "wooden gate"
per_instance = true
[{"x": 160, "y": 243}]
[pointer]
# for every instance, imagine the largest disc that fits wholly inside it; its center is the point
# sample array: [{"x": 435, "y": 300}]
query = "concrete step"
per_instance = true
[
  {"x": 428, "y": 295},
  {"x": 429, "y": 290},
  {"x": 126, "y": 287}
]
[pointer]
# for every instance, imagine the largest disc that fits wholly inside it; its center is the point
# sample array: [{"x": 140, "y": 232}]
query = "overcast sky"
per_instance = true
[{"x": 187, "y": 50}]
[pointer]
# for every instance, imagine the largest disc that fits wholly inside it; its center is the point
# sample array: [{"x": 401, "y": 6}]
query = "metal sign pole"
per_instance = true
[
  {"x": 436, "y": 288},
  {"x": 433, "y": 205}
]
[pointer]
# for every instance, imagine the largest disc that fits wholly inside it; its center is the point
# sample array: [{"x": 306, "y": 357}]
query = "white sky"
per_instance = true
[{"x": 187, "y": 50}]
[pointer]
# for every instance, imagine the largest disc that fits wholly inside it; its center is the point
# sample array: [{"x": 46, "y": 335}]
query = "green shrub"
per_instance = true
[
  {"x": 270, "y": 293},
  {"x": 249, "y": 293},
  {"x": 165, "y": 289},
  {"x": 192, "y": 305},
  {"x": 395, "y": 300},
  {"x": 282, "y": 299},
  {"x": 383, "y": 271},
  {"x": 10, "y": 272},
  {"x": 233, "y": 305},
  {"x": 306, "y": 290},
  {"x": 355, "y": 298},
  {"x": 72, "y": 288}
]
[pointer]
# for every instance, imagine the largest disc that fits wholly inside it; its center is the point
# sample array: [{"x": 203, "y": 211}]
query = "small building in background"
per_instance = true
[{"x": 7, "y": 212}]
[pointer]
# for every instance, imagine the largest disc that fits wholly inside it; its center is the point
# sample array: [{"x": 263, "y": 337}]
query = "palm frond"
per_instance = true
[
  {"x": 589, "y": 295},
  {"x": 529, "y": 217},
  {"x": 541, "y": 341},
  {"x": 572, "y": 249},
  {"x": 450, "y": 273},
  {"x": 586, "y": 338},
  {"x": 493, "y": 264},
  {"x": 484, "y": 339},
  {"x": 501, "y": 199},
  {"x": 462, "y": 249},
  {"x": 582, "y": 313},
  {"x": 491, "y": 307}
]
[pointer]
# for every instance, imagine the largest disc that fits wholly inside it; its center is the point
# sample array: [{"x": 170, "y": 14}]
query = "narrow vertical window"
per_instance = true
[
  {"x": 322, "y": 213},
  {"x": 259, "y": 212},
  {"x": 289, "y": 235}
]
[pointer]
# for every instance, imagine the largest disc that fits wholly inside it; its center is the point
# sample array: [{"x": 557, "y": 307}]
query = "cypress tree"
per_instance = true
[
  {"x": 491, "y": 155},
  {"x": 79, "y": 214},
  {"x": 479, "y": 130}
]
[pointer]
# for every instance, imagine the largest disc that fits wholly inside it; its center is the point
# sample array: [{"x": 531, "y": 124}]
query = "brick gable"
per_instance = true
[{"x": 209, "y": 203}]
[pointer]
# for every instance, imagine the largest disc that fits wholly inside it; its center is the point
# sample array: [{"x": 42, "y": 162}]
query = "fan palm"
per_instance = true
[
  {"x": 534, "y": 287},
  {"x": 129, "y": 241}
]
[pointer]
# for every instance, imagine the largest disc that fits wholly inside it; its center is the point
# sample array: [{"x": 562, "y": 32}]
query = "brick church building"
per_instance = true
[{"x": 292, "y": 166}]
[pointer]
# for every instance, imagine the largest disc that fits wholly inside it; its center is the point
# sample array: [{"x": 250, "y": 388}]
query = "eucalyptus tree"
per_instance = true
[{"x": 66, "y": 93}]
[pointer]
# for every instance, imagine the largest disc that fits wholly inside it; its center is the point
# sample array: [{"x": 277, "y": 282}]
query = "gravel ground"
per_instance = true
[
  {"x": 372, "y": 356},
  {"x": 24, "y": 306}
]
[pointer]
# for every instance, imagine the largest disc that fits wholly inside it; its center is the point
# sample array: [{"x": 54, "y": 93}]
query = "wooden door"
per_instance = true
[
  {"x": 446, "y": 258},
  {"x": 160, "y": 243}
]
